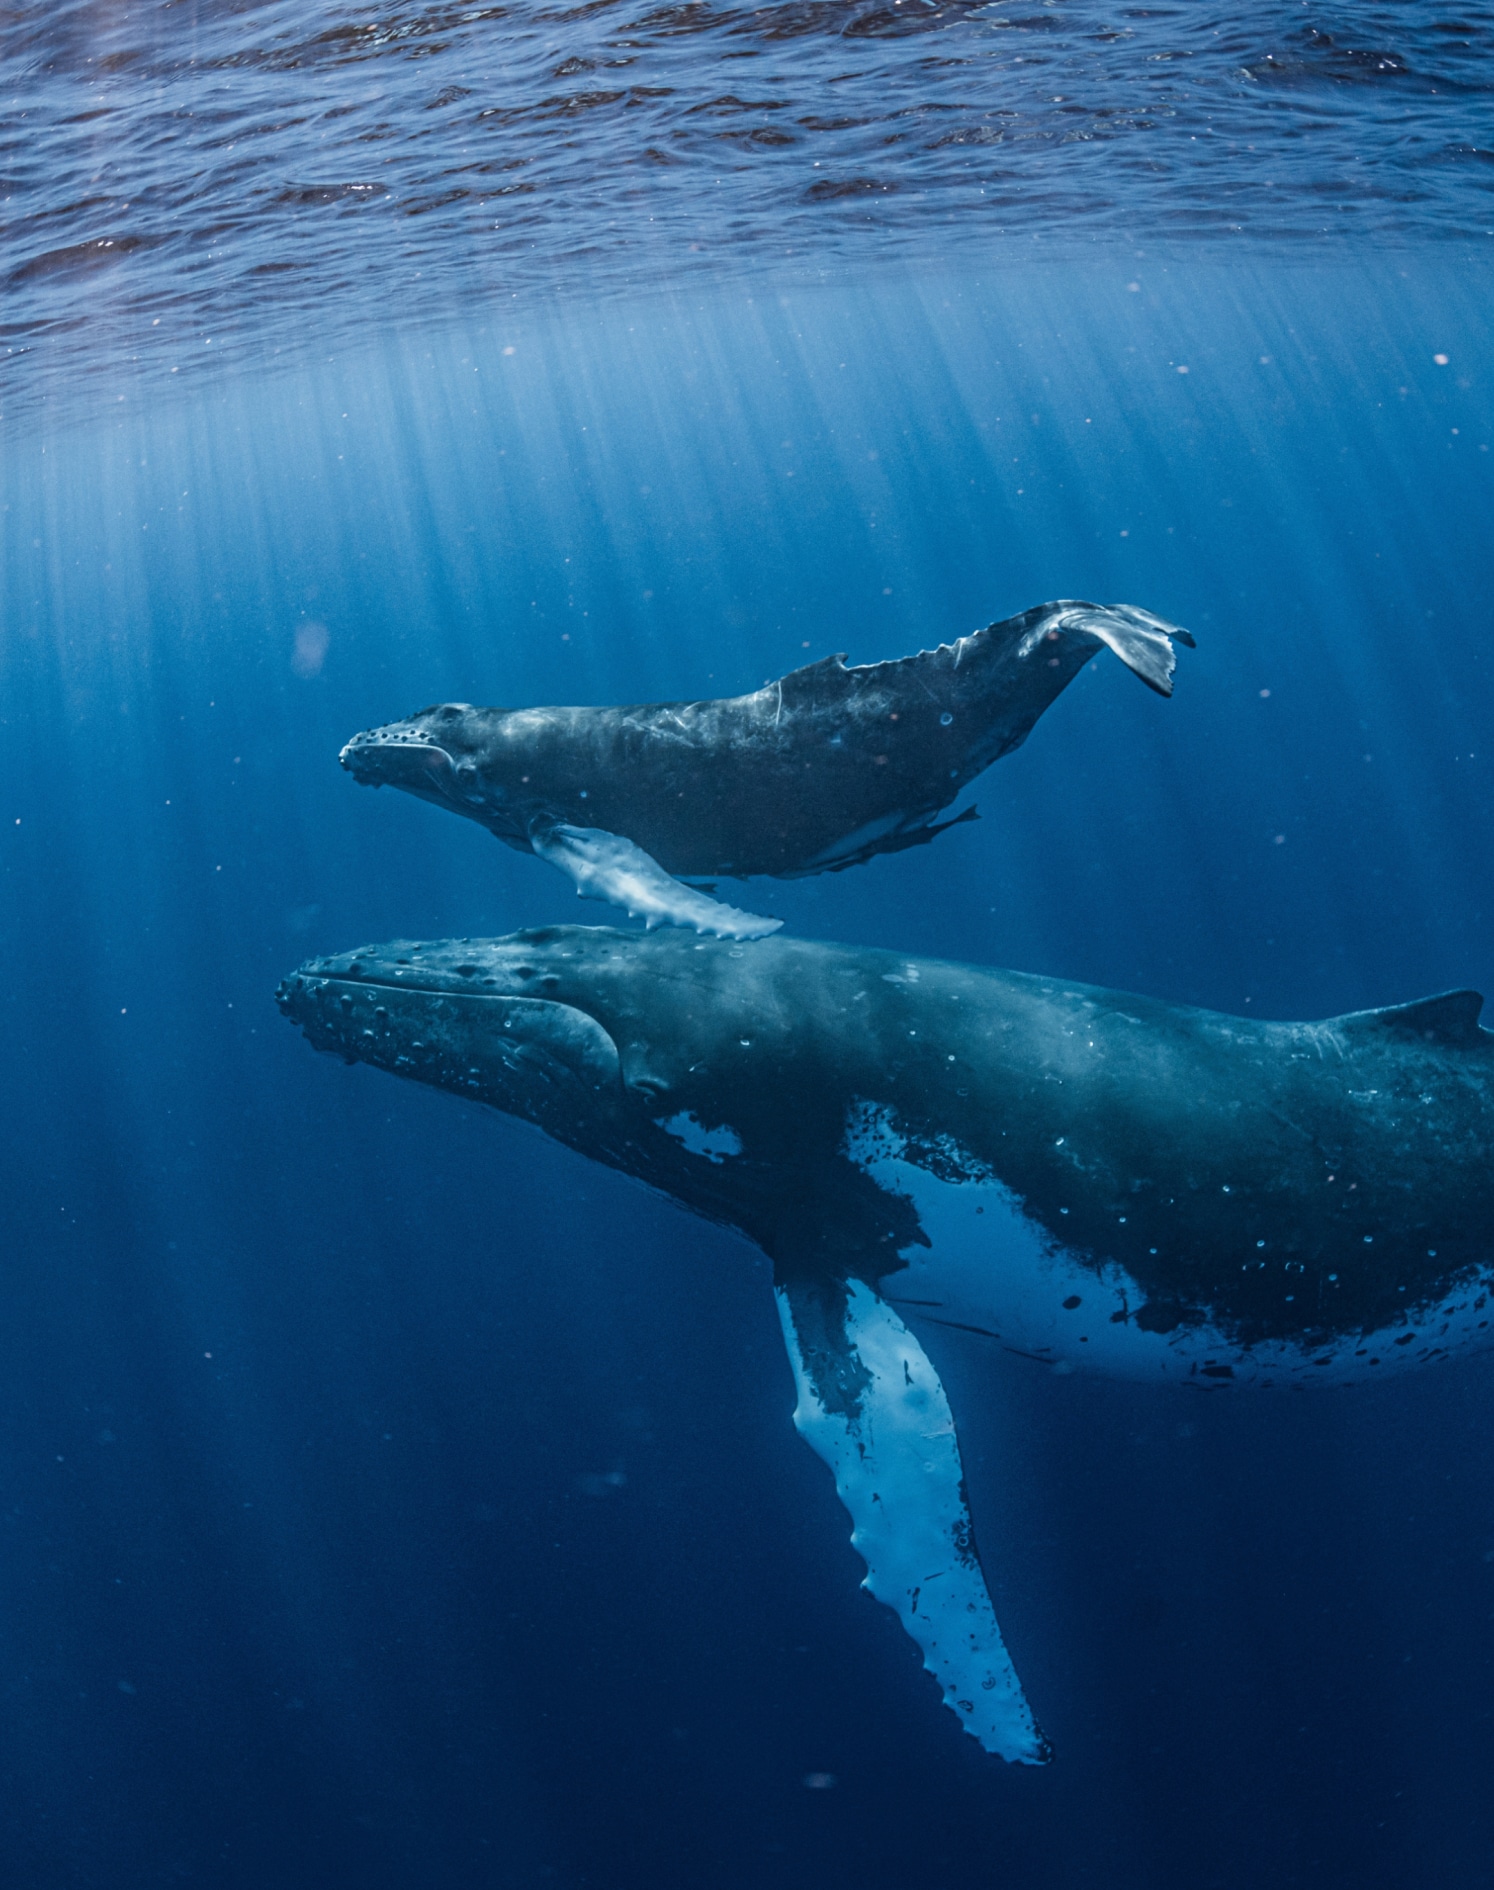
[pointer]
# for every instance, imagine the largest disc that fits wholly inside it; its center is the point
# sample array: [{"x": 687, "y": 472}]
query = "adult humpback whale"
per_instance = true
[
  {"x": 1087, "y": 1177},
  {"x": 812, "y": 773}
]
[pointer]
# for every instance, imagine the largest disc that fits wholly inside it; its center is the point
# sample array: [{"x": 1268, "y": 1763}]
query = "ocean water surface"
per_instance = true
[{"x": 389, "y": 1498}]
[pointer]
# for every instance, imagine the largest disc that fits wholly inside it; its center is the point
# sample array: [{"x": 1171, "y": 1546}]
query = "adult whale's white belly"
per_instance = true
[{"x": 989, "y": 1268}]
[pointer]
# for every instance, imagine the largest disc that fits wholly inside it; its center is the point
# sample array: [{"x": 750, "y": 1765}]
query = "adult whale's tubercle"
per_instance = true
[
  {"x": 1089, "y": 1179},
  {"x": 812, "y": 773}
]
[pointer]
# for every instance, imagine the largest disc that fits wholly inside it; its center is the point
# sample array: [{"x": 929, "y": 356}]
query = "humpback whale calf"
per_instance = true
[
  {"x": 815, "y": 772},
  {"x": 1092, "y": 1179}
]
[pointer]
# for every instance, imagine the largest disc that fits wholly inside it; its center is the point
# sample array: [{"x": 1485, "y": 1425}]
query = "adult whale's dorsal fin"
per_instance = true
[
  {"x": 1451, "y": 1017},
  {"x": 872, "y": 1406},
  {"x": 614, "y": 869}
]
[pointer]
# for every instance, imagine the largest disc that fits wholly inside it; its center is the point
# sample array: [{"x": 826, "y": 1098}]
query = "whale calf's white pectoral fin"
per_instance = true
[
  {"x": 610, "y": 867},
  {"x": 878, "y": 1416}
]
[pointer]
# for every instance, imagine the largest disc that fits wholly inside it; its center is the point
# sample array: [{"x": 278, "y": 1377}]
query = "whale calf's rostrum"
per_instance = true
[
  {"x": 1091, "y": 1180},
  {"x": 815, "y": 772}
]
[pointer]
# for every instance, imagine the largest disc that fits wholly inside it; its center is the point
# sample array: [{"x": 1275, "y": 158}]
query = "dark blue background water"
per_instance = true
[{"x": 387, "y": 1497}]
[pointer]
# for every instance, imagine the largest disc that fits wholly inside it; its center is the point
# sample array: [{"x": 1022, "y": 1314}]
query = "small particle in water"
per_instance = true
[
  {"x": 1440, "y": 359},
  {"x": 819, "y": 1781},
  {"x": 945, "y": 719}
]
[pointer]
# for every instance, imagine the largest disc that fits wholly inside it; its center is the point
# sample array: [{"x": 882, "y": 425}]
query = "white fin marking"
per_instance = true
[
  {"x": 610, "y": 867},
  {"x": 897, "y": 1470}
]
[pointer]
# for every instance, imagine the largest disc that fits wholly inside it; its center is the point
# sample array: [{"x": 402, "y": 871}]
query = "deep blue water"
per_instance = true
[{"x": 387, "y": 1498}]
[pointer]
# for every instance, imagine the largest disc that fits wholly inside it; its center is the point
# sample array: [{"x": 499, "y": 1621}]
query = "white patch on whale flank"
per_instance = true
[
  {"x": 990, "y": 1266},
  {"x": 715, "y": 1144}
]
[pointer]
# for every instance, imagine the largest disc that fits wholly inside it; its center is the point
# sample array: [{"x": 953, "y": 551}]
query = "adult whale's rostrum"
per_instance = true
[
  {"x": 815, "y": 772},
  {"x": 1090, "y": 1179}
]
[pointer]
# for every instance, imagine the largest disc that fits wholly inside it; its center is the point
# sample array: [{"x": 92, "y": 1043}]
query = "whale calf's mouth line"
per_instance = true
[{"x": 363, "y": 751}]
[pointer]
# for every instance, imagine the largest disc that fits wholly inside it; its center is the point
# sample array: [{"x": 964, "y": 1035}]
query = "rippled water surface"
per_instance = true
[{"x": 180, "y": 169}]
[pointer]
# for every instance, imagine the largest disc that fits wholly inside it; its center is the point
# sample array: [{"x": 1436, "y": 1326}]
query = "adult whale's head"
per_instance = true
[
  {"x": 718, "y": 1073},
  {"x": 1084, "y": 1177}
]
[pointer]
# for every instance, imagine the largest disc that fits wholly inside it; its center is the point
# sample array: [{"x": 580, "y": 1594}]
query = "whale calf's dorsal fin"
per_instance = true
[{"x": 1451, "y": 1017}]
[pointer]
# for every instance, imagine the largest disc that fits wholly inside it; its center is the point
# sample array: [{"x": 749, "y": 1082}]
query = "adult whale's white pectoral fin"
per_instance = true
[
  {"x": 610, "y": 867},
  {"x": 872, "y": 1405}
]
